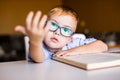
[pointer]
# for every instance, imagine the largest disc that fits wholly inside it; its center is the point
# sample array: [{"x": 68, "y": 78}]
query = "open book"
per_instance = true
[{"x": 91, "y": 61}]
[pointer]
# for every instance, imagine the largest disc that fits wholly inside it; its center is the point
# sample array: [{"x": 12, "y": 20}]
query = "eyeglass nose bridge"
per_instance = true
[
  {"x": 58, "y": 30},
  {"x": 58, "y": 27}
]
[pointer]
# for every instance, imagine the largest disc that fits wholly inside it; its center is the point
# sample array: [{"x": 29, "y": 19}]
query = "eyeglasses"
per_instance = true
[{"x": 63, "y": 30}]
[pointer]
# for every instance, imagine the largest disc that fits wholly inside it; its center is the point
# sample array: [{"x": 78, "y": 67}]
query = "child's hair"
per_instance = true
[{"x": 63, "y": 10}]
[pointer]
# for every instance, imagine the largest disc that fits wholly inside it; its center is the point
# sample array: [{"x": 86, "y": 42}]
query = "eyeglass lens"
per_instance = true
[{"x": 63, "y": 30}]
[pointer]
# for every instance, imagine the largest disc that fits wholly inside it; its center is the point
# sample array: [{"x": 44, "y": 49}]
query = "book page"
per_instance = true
[{"x": 93, "y": 58}]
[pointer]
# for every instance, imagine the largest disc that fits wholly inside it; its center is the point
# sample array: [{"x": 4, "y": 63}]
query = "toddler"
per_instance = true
[{"x": 52, "y": 35}]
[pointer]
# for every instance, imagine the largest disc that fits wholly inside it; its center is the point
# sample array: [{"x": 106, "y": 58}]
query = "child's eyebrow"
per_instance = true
[{"x": 54, "y": 21}]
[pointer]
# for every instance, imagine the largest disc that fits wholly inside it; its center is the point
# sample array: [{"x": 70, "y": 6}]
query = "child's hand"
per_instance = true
[
  {"x": 35, "y": 28},
  {"x": 67, "y": 52}
]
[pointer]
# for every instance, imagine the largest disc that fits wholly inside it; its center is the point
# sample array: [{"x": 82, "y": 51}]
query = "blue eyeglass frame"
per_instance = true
[{"x": 59, "y": 27}]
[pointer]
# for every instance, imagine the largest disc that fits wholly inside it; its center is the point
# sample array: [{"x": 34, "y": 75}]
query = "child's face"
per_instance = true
[{"x": 56, "y": 38}]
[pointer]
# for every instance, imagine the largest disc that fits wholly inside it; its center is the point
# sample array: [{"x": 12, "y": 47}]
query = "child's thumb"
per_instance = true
[{"x": 21, "y": 29}]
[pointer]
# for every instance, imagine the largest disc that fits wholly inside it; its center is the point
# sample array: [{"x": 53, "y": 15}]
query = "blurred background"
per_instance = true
[{"x": 98, "y": 18}]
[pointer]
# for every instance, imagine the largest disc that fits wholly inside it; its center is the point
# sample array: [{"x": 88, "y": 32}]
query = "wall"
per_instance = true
[
  {"x": 97, "y": 15},
  {"x": 13, "y": 12}
]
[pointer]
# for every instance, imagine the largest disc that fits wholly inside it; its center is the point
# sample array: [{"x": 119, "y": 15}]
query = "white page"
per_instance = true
[{"x": 94, "y": 58}]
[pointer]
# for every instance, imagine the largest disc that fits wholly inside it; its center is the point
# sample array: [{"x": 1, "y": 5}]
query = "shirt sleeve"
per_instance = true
[
  {"x": 48, "y": 54},
  {"x": 78, "y": 42}
]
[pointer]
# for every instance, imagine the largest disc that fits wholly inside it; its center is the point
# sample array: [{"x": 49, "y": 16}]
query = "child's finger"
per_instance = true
[
  {"x": 36, "y": 19},
  {"x": 21, "y": 29},
  {"x": 60, "y": 54},
  {"x": 29, "y": 20},
  {"x": 42, "y": 22},
  {"x": 67, "y": 54}
]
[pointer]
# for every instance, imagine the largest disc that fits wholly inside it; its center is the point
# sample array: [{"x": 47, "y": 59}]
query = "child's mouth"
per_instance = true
[{"x": 53, "y": 39}]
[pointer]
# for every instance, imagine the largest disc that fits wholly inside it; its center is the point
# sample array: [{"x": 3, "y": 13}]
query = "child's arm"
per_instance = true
[
  {"x": 36, "y": 30},
  {"x": 94, "y": 47}
]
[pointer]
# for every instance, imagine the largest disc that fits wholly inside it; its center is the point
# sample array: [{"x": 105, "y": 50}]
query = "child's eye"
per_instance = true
[
  {"x": 53, "y": 26},
  {"x": 67, "y": 30}
]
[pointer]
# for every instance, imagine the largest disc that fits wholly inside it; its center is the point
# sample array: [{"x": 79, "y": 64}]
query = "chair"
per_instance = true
[{"x": 26, "y": 40}]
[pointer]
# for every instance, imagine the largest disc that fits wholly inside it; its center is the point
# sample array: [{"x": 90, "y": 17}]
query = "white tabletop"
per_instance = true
[{"x": 53, "y": 70}]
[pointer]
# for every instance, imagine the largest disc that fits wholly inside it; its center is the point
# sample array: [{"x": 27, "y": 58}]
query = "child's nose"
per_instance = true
[{"x": 57, "y": 32}]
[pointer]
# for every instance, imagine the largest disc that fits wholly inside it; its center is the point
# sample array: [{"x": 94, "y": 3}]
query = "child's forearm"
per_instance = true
[
  {"x": 94, "y": 47},
  {"x": 36, "y": 52}
]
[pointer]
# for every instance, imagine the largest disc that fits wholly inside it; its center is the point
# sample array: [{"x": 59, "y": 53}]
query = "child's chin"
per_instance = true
[{"x": 54, "y": 46}]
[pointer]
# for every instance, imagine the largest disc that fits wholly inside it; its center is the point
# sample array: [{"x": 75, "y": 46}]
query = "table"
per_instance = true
[
  {"x": 53, "y": 70},
  {"x": 115, "y": 46}
]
